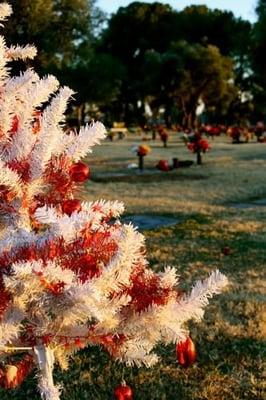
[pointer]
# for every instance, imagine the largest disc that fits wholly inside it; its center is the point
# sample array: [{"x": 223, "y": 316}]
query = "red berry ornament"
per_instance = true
[
  {"x": 123, "y": 392},
  {"x": 70, "y": 206},
  {"x": 186, "y": 352},
  {"x": 163, "y": 165},
  {"x": 79, "y": 172},
  {"x": 12, "y": 376}
]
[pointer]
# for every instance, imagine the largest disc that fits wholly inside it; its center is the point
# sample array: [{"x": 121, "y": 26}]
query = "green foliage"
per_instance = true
[
  {"x": 56, "y": 27},
  {"x": 187, "y": 73},
  {"x": 64, "y": 33},
  {"x": 98, "y": 80},
  {"x": 155, "y": 42},
  {"x": 219, "y": 28},
  {"x": 139, "y": 56},
  {"x": 258, "y": 59}
]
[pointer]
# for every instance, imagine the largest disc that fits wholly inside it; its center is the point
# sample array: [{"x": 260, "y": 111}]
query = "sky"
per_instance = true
[{"x": 241, "y": 8}]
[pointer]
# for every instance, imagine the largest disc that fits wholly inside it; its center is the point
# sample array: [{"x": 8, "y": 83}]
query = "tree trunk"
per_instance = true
[
  {"x": 167, "y": 114},
  {"x": 189, "y": 111},
  {"x": 45, "y": 359},
  {"x": 81, "y": 114}
]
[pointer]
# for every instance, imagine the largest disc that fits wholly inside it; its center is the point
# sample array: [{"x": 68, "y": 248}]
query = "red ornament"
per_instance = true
[
  {"x": 9, "y": 377},
  {"x": 186, "y": 352},
  {"x": 226, "y": 251},
  {"x": 12, "y": 376},
  {"x": 70, "y": 206},
  {"x": 123, "y": 392},
  {"x": 79, "y": 172},
  {"x": 163, "y": 165}
]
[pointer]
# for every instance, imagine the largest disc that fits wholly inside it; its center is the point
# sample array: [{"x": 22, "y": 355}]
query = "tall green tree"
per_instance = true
[
  {"x": 200, "y": 24},
  {"x": 65, "y": 33},
  {"x": 141, "y": 37},
  {"x": 187, "y": 74},
  {"x": 57, "y": 27},
  {"x": 259, "y": 60}
]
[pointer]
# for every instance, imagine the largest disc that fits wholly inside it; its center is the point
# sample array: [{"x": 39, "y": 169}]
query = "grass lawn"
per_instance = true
[{"x": 209, "y": 203}]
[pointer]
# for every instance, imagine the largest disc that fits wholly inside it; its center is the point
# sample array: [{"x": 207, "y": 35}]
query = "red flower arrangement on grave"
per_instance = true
[
  {"x": 71, "y": 274},
  {"x": 143, "y": 150},
  {"x": 198, "y": 145}
]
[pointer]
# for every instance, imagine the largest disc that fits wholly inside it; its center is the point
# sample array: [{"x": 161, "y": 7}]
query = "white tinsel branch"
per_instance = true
[
  {"x": 88, "y": 136},
  {"x": 10, "y": 179},
  {"x": 33, "y": 94},
  {"x": 192, "y": 306},
  {"x": 5, "y": 11},
  {"x": 50, "y": 133},
  {"x": 21, "y": 53}
]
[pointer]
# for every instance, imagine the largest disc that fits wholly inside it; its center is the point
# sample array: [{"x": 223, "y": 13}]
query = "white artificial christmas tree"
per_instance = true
[{"x": 72, "y": 275}]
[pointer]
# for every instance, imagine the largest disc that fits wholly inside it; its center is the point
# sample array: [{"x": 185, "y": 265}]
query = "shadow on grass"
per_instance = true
[
  {"x": 146, "y": 177},
  {"x": 93, "y": 376}
]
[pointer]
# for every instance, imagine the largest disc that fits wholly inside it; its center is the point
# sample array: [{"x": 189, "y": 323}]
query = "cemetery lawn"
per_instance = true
[{"x": 219, "y": 204}]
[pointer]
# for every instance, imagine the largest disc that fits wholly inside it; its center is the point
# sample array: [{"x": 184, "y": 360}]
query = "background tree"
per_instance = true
[
  {"x": 65, "y": 31},
  {"x": 97, "y": 81},
  {"x": 129, "y": 57},
  {"x": 58, "y": 27},
  {"x": 258, "y": 60},
  {"x": 131, "y": 32},
  {"x": 141, "y": 37},
  {"x": 188, "y": 73}
]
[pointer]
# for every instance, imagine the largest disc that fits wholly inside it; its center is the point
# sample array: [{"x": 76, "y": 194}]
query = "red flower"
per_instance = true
[
  {"x": 143, "y": 150},
  {"x": 191, "y": 147},
  {"x": 204, "y": 145}
]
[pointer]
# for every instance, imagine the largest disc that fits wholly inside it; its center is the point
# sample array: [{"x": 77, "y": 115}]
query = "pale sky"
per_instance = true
[{"x": 241, "y": 8}]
